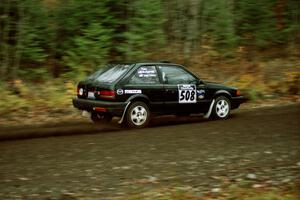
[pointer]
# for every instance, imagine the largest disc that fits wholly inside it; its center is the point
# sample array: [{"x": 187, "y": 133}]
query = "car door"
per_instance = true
[
  {"x": 181, "y": 89},
  {"x": 145, "y": 81}
]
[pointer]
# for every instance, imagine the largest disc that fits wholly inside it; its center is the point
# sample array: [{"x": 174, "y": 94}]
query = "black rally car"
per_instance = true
[{"x": 135, "y": 91}]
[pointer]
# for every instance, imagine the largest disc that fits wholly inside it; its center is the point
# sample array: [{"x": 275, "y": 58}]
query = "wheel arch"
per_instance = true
[
  {"x": 212, "y": 112},
  {"x": 222, "y": 93},
  {"x": 132, "y": 99},
  {"x": 139, "y": 97}
]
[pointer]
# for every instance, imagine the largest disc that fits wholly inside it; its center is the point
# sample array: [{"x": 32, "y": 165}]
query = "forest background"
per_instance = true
[{"x": 47, "y": 46}]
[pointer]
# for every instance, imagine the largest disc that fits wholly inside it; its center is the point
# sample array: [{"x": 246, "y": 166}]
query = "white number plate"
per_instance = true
[
  {"x": 187, "y": 93},
  {"x": 91, "y": 95}
]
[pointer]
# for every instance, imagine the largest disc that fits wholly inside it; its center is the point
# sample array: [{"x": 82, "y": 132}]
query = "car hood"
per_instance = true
[{"x": 218, "y": 85}]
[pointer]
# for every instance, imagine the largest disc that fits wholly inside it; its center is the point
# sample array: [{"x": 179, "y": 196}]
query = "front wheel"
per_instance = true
[
  {"x": 221, "y": 108},
  {"x": 138, "y": 115}
]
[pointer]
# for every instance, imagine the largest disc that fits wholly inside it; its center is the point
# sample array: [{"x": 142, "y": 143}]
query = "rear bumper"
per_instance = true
[
  {"x": 237, "y": 101},
  {"x": 113, "y": 108}
]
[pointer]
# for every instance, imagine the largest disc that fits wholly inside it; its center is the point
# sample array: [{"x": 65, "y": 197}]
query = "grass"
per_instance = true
[{"x": 231, "y": 193}]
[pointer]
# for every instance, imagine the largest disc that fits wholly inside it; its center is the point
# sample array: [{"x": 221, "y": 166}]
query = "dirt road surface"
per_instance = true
[{"x": 259, "y": 146}]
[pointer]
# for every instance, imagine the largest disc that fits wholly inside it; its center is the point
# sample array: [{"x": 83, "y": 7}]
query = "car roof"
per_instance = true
[{"x": 146, "y": 63}]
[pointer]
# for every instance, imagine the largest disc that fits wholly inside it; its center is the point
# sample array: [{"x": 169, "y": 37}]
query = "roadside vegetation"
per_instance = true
[
  {"x": 231, "y": 194},
  {"x": 47, "y": 46},
  {"x": 236, "y": 194}
]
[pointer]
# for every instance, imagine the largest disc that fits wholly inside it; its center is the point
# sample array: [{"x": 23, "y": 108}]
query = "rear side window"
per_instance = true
[
  {"x": 110, "y": 74},
  {"x": 145, "y": 75}
]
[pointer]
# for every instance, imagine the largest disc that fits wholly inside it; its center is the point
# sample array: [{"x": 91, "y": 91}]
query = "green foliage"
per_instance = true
[
  {"x": 136, "y": 36},
  {"x": 231, "y": 193},
  {"x": 34, "y": 26},
  {"x": 10, "y": 102},
  {"x": 21, "y": 97},
  {"x": 252, "y": 86},
  {"x": 42, "y": 40},
  {"x": 220, "y": 23},
  {"x": 143, "y": 29},
  {"x": 291, "y": 28},
  {"x": 292, "y": 83},
  {"x": 255, "y": 22},
  {"x": 90, "y": 50},
  {"x": 22, "y": 37},
  {"x": 34, "y": 73},
  {"x": 71, "y": 38}
]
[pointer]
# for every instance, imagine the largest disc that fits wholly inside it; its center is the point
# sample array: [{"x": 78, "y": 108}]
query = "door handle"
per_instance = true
[{"x": 171, "y": 91}]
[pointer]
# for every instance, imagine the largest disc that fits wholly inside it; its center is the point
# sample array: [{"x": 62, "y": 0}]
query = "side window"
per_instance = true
[
  {"x": 145, "y": 75},
  {"x": 176, "y": 75}
]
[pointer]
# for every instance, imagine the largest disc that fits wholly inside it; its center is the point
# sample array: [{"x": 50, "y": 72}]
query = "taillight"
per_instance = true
[
  {"x": 98, "y": 109},
  {"x": 238, "y": 93},
  {"x": 106, "y": 94},
  {"x": 80, "y": 91}
]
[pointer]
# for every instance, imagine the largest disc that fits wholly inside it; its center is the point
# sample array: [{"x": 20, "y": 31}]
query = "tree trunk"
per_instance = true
[
  {"x": 280, "y": 8},
  {"x": 6, "y": 50},
  {"x": 192, "y": 29},
  {"x": 18, "y": 48}
]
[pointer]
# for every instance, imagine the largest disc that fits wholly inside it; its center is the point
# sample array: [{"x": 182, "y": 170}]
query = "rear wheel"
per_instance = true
[
  {"x": 100, "y": 118},
  {"x": 138, "y": 115},
  {"x": 222, "y": 107}
]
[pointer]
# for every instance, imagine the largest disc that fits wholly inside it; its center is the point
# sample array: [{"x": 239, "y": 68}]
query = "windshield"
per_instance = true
[{"x": 110, "y": 73}]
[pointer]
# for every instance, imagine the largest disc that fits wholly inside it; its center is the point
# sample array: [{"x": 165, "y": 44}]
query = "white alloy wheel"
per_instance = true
[
  {"x": 138, "y": 115},
  {"x": 222, "y": 107}
]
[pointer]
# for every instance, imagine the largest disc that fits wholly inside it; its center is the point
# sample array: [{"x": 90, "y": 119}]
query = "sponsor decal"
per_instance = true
[
  {"x": 147, "y": 75},
  {"x": 187, "y": 93},
  {"x": 200, "y": 94},
  {"x": 147, "y": 72},
  {"x": 120, "y": 92},
  {"x": 133, "y": 91}
]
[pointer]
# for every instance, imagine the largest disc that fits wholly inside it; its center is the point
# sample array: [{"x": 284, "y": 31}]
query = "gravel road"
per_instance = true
[{"x": 257, "y": 147}]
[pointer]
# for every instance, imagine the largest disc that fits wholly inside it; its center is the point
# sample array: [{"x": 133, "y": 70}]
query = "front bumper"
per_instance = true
[
  {"x": 237, "y": 101},
  {"x": 113, "y": 108}
]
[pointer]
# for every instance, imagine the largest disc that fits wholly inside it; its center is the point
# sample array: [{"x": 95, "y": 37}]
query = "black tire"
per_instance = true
[
  {"x": 100, "y": 118},
  {"x": 221, "y": 108},
  {"x": 138, "y": 115}
]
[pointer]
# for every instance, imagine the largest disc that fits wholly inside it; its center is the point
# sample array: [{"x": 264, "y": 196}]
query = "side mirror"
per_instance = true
[{"x": 199, "y": 82}]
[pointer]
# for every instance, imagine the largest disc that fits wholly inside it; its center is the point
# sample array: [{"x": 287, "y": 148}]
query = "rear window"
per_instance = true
[{"x": 110, "y": 73}]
